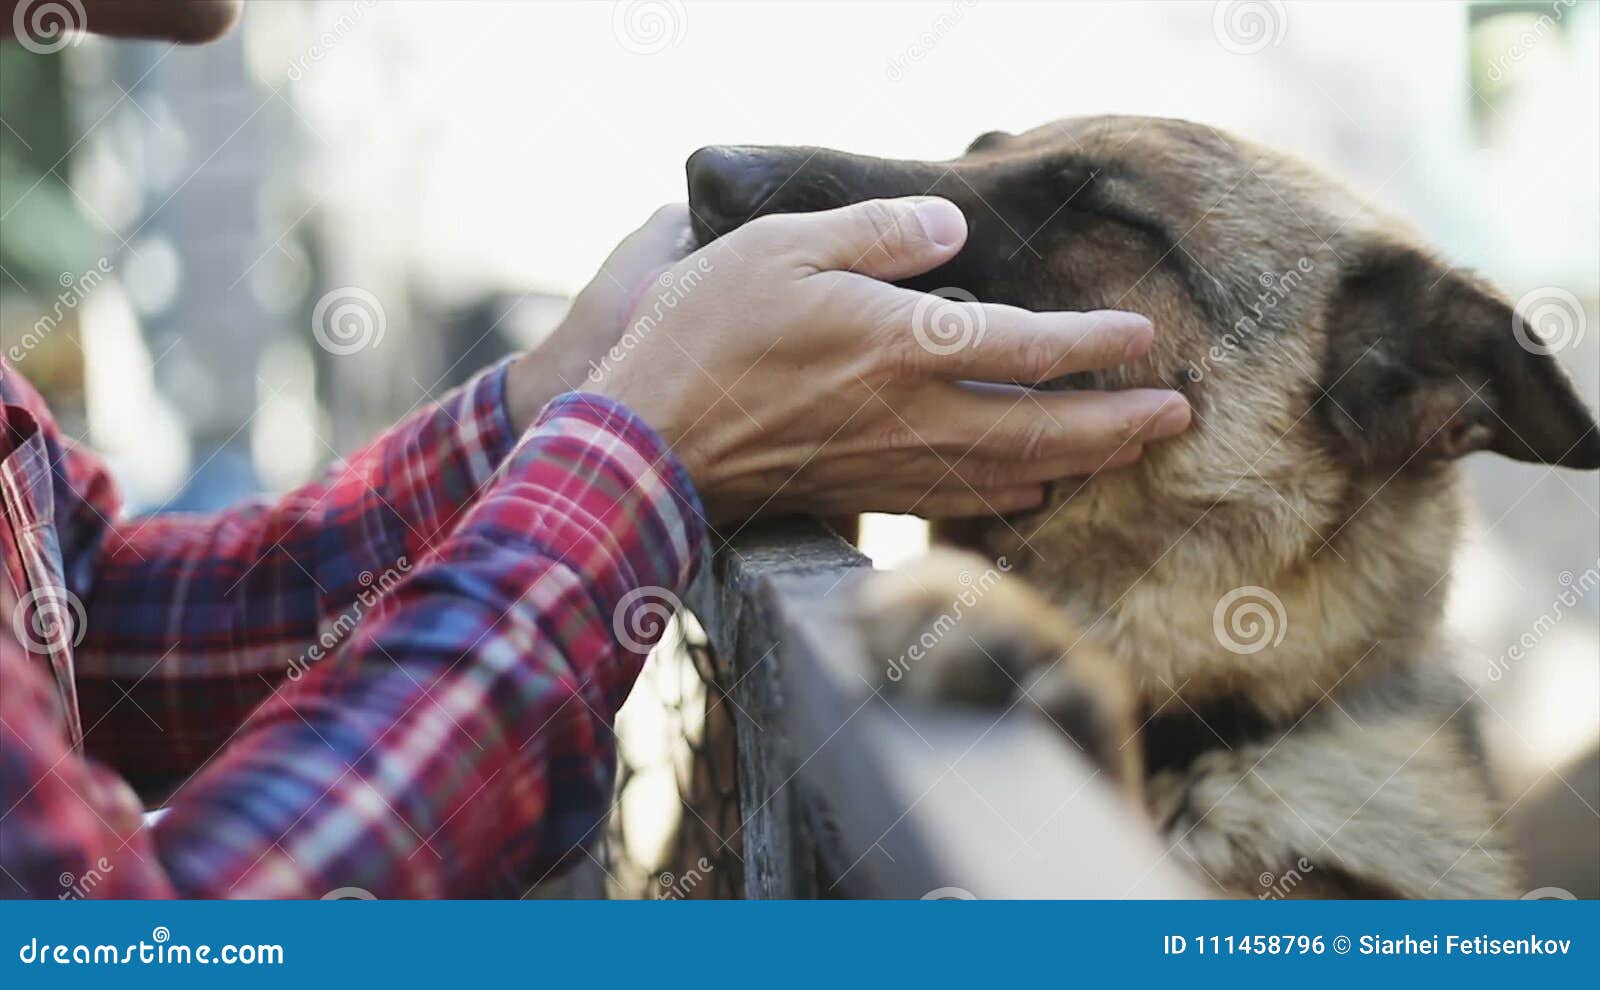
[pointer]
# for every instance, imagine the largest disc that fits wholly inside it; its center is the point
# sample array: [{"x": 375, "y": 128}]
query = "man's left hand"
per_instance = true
[{"x": 599, "y": 314}]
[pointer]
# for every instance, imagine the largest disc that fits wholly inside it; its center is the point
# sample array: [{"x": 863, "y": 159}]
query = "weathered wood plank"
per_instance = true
[
  {"x": 735, "y": 600},
  {"x": 892, "y": 799}
]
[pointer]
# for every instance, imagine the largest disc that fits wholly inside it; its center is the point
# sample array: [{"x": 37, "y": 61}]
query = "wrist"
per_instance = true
[
  {"x": 533, "y": 379},
  {"x": 652, "y": 456}
]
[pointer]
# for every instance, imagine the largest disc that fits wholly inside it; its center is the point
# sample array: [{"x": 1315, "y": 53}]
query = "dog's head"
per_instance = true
[{"x": 1336, "y": 368}]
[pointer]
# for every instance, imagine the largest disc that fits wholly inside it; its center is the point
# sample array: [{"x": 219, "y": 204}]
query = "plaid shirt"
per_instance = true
[{"x": 399, "y": 678}]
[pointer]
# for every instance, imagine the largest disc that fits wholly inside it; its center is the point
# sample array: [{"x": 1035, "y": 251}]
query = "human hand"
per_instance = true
[
  {"x": 786, "y": 377},
  {"x": 598, "y": 316}
]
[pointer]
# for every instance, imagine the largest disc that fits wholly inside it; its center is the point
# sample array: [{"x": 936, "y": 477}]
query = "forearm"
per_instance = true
[
  {"x": 460, "y": 742},
  {"x": 196, "y": 618}
]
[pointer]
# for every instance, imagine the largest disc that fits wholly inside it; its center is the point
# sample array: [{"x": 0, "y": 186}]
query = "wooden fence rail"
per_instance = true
[{"x": 843, "y": 792}]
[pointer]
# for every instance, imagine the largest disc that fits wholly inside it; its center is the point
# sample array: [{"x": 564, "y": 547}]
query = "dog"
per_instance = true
[{"x": 1245, "y": 627}]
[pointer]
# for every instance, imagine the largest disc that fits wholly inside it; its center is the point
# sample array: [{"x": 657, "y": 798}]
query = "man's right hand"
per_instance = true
[{"x": 787, "y": 377}]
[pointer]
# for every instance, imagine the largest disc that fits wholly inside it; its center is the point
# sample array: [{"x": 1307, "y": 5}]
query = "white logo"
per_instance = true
[
  {"x": 645, "y": 27},
  {"x": 347, "y": 320},
  {"x": 1249, "y": 619},
  {"x": 46, "y": 616},
  {"x": 1554, "y": 315},
  {"x": 1245, "y": 27},
  {"x": 47, "y": 26},
  {"x": 948, "y": 320},
  {"x": 641, "y": 615}
]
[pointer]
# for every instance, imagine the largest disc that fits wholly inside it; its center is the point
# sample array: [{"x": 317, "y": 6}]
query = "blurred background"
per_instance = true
[{"x": 226, "y": 266}]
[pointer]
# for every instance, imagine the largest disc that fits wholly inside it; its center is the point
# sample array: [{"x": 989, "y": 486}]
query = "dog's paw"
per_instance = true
[
  {"x": 954, "y": 628},
  {"x": 1212, "y": 819}
]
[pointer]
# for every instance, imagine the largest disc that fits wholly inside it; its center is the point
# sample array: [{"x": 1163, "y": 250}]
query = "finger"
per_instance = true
[
  {"x": 957, "y": 339},
  {"x": 983, "y": 472},
  {"x": 923, "y": 469},
  {"x": 662, "y": 241},
  {"x": 879, "y": 238},
  {"x": 942, "y": 504},
  {"x": 665, "y": 237},
  {"x": 1047, "y": 424},
  {"x": 969, "y": 504}
]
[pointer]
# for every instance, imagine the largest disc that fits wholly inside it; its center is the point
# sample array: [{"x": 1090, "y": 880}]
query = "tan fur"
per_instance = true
[{"x": 1374, "y": 784}]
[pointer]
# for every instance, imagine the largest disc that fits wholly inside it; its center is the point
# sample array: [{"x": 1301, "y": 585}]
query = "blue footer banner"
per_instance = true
[{"x": 978, "y": 943}]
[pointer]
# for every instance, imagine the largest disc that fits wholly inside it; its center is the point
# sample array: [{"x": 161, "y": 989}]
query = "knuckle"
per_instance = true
[
  {"x": 896, "y": 351},
  {"x": 898, "y": 357},
  {"x": 1038, "y": 357},
  {"x": 897, "y": 436},
  {"x": 1033, "y": 439},
  {"x": 886, "y": 222}
]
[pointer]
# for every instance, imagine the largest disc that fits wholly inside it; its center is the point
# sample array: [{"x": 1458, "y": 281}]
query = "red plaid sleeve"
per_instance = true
[
  {"x": 192, "y": 619},
  {"x": 457, "y": 744}
]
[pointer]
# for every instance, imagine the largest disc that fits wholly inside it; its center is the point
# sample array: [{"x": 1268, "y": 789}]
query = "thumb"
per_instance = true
[
  {"x": 663, "y": 240},
  {"x": 635, "y": 264},
  {"x": 887, "y": 239}
]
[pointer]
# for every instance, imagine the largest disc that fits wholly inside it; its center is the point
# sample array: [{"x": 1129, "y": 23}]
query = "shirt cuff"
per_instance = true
[
  {"x": 484, "y": 419},
  {"x": 623, "y": 438}
]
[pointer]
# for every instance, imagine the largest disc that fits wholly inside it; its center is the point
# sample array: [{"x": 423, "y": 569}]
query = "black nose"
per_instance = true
[{"x": 727, "y": 185}]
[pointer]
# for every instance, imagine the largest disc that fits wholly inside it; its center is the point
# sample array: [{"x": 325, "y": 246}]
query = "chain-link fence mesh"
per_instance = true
[{"x": 674, "y": 828}]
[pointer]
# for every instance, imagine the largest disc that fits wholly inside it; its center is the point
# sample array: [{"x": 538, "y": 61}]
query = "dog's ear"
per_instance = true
[
  {"x": 1425, "y": 362},
  {"x": 989, "y": 140}
]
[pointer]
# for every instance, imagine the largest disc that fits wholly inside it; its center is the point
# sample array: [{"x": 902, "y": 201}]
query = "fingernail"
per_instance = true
[
  {"x": 1135, "y": 331},
  {"x": 941, "y": 221},
  {"x": 1140, "y": 336},
  {"x": 1172, "y": 419}
]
